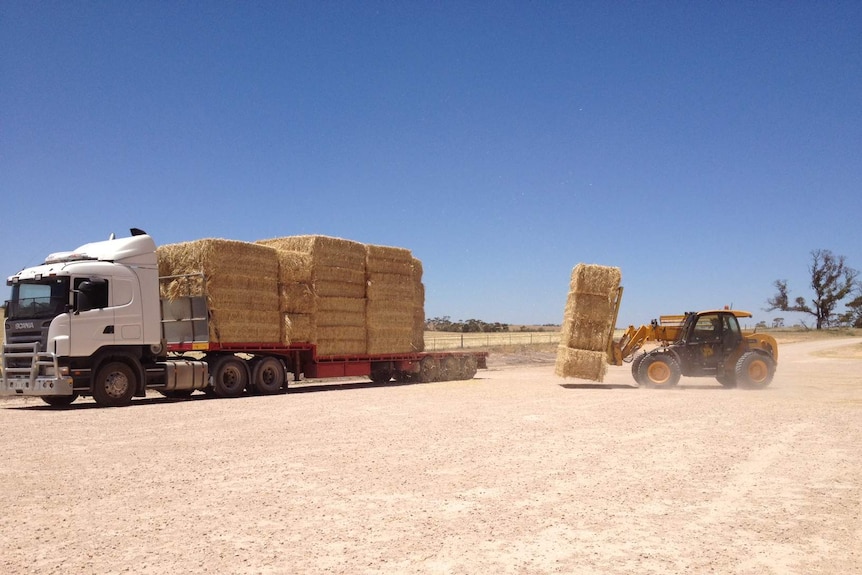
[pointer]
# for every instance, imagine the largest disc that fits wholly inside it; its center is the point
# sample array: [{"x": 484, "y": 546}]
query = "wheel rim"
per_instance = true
[
  {"x": 757, "y": 371},
  {"x": 116, "y": 384},
  {"x": 658, "y": 372}
]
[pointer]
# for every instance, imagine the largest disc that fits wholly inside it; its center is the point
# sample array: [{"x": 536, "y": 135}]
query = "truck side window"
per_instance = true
[{"x": 91, "y": 294}]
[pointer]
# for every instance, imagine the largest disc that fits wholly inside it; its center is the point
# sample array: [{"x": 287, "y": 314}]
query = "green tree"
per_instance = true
[{"x": 831, "y": 281}]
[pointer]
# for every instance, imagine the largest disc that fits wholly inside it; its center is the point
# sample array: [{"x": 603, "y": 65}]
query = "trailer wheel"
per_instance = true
[
  {"x": 229, "y": 376},
  {"x": 659, "y": 370},
  {"x": 402, "y": 376},
  {"x": 114, "y": 384},
  {"x": 450, "y": 369},
  {"x": 754, "y": 370},
  {"x": 469, "y": 367},
  {"x": 268, "y": 376},
  {"x": 381, "y": 372},
  {"x": 59, "y": 400},
  {"x": 429, "y": 370}
]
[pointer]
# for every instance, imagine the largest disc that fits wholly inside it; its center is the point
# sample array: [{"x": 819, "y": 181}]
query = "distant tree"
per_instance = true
[
  {"x": 778, "y": 322},
  {"x": 853, "y": 317},
  {"x": 831, "y": 280}
]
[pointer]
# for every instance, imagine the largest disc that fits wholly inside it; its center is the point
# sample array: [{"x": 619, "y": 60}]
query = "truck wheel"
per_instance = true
[
  {"x": 268, "y": 376},
  {"x": 636, "y": 365},
  {"x": 429, "y": 370},
  {"x": 659, "y": 370},
  {"x": 381, "y": 372},
  {"x": 229, "y": 376},
  {"x": 754, "y": 370},
  {"x": 114, "y": 384},
  {"x": 59, "y": 400}
]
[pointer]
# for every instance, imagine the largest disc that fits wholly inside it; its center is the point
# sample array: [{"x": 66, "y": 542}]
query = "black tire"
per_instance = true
[
  {"x": 114, "y": 385},
  {"x": 381, "y": 372},
  {"x": 59, "y": 400},
  {"x": 429, "y": 370},
  {"x": 229, "y": 376},
  {"x": 405, "y": 376},
  {"x": 450, "y": 369},
  {"x": 659, "y": 370},
  {"x": 636, "y": 364},
  {"x": 469, "y": 367},
  {"x": 727, "y": 380},
  {"x": 754, "y": 370},
  {"x": 268, "y": 377}
]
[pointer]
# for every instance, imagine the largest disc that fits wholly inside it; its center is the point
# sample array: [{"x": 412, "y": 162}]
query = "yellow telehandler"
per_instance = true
[{"x": 708, "y": 343}]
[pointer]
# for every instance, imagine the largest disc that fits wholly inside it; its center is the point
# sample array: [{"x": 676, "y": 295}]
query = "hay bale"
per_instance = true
[
  {"x": 294, "y": 267},
  {"x": 238, "y": 279},
  {"x": 588, "y": 322},
  {"x": 298, "y": 328},
  {"x": 324, "y": 250},
  {"x": 297, "y": 297},
  {"x": 580, "y": 363},
  {"x": 388, "y": 260}
]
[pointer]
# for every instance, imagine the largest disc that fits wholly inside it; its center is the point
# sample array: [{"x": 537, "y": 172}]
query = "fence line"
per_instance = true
[{"x": 435, "y": 341}]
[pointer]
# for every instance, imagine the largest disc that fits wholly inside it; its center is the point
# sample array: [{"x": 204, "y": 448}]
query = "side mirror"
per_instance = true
[{"x": 92, "y": 294}]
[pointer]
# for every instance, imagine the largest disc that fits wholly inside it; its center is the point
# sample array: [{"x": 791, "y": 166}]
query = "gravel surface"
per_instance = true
[{"x": 516, "y": 471}]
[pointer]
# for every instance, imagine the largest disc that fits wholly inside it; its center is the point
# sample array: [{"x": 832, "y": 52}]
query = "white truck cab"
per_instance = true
[{"x": 79, "y": 312}]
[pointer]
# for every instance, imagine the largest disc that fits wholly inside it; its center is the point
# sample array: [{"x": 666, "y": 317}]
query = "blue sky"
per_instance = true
[{"x": 705, "y": 148}]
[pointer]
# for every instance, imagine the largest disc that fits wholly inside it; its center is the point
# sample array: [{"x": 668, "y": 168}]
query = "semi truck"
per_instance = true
[{"x": 91, "y": 322}]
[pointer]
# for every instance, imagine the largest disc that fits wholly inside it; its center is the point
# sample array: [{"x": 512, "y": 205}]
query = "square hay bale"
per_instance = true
[
  {"x": 297, "y": 297},
  {"x": 341, "y": 340},
  {"x": 588, "y": 322},
  {"x": 239, "y": 281},
  {"x": 580, "y": 363},
  {"x": 294, "y": 267},
  {"x": 388, "y": 260},
  {"x": 298, "y": 328},
  {"x": 324, "y": 250}
]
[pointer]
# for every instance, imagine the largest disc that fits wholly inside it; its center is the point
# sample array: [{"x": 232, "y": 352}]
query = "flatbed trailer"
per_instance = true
[
  {"x": 92, "y": 323},
  {"x": 303, "y": 361}
]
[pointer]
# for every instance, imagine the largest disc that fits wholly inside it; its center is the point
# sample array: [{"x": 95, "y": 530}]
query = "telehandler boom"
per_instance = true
[{"x": 708, "y": 343}]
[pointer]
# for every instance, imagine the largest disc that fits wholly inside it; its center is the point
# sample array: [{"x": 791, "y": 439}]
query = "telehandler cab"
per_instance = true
[{"x": 698, "y": 344}]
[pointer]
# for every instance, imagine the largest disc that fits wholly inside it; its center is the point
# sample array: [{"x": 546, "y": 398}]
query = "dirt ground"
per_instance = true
[{"x": 516, "y": 471}]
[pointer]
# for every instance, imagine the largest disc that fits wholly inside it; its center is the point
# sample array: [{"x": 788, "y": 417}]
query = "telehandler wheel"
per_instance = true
[
  {"x": 114, "y": 384},
  {"x": 754, "y": 370},
  {"x": 59, "y": 400},
  {"x": 268, "y": 376},
  {"x": 229, "y": 376},
  {"x": 659, "y": 370},
  {"x": 727, "y": 379},
  {"x": 636, "y": 365}
]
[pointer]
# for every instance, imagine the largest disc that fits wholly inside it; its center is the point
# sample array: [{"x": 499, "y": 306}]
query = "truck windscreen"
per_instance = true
[{"x": 38, "y": 299}]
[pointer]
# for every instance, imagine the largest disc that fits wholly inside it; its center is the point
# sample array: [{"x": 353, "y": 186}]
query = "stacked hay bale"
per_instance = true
[
  {"x": 239, "y": 280},
  {"x": 297, "y": 300},
  {"x": 418, "y": 336},
  {"x": 392, "y": 291},
  {"x": 331, "y": 293},
  {"x": 587, "y": 322}
]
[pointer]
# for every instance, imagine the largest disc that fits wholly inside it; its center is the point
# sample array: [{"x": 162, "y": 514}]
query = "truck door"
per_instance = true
[{"x": 92, "y": 321}]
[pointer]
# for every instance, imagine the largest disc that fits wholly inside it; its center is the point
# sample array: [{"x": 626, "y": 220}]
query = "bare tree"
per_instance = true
[{"x": 831, "y": 280}]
